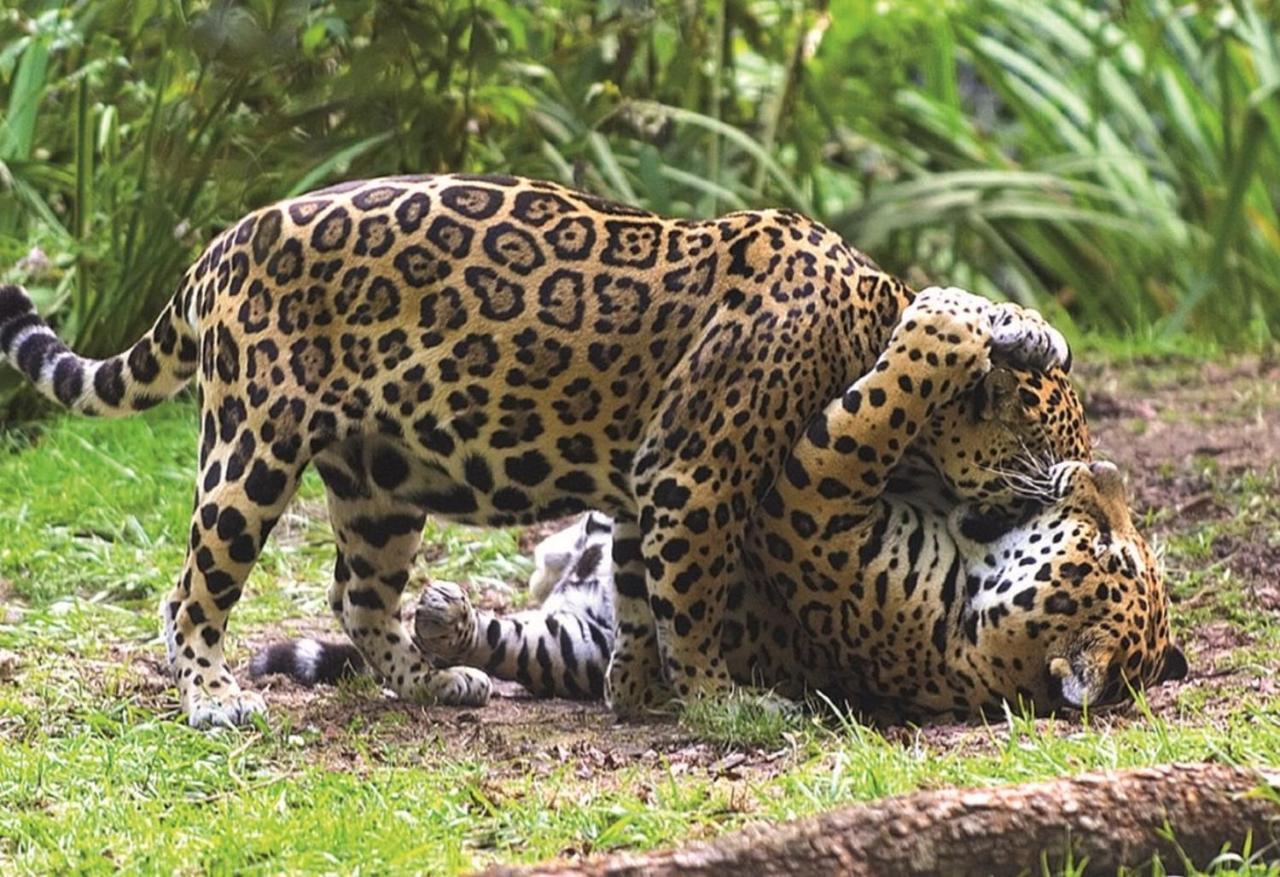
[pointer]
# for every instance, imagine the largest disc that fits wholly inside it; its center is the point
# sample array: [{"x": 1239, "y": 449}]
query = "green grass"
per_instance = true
[
  {"x": 744, "y": 720},
  {"x": 99, "y": 509},
  {"x": 98, "y": 774}
]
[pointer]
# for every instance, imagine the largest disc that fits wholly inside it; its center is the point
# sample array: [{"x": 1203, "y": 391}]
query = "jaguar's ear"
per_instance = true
[
  {"x": 1077, "y": 686},
  {"x": 1175, "y": 664},
  {"x": 996, "y": 397}
]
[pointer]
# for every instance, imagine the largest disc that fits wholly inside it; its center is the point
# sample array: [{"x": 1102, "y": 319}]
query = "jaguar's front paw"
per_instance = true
[
  {"x": 636, "y": 688},
  {"x": 1014, "y": 335},
  {"x": 444, "y": 623},
  {"x": 1022, "y": 338},
  {"x": 230, "y": 710}
]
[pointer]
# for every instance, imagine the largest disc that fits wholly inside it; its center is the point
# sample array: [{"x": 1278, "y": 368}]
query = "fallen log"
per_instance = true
[{"x": 1180, "y": 812}]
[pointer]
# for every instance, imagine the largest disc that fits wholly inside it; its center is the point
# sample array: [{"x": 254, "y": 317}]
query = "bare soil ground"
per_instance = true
[{"x": 1199, "y": 444}]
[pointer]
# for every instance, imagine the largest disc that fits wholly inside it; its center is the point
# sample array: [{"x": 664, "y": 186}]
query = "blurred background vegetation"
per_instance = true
[{"x": 1114, "y": 163}]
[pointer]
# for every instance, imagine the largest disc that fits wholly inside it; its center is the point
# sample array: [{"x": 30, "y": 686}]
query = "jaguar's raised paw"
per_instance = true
[
  {"x": 444, "y": 621},
  {"x": 1022, "y": 338}
]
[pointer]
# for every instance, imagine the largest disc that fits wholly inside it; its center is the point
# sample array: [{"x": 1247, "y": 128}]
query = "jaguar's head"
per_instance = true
[
  {"x": 1068, "y": 606},
  {"x": 1012, "y": 421}
]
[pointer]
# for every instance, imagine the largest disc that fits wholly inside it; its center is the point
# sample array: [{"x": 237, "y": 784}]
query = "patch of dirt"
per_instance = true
[
  {"x": 1216, "y": 640},
  {"x": 11, "y": 605},
  {"x": 1179, "y": 431},
  {"x": 10, "y": 663},
  {"x": 515, "y": 732},
  {"x": 1248, "y": 559},
  {"x": 518, "y": 733},
  {"x": 1188, "y": 436},
  {"x": 357, "y": 728}
]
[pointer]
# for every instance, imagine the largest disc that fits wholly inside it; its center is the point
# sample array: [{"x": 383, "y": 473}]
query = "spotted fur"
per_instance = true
[{"x": 496, "y": 351}]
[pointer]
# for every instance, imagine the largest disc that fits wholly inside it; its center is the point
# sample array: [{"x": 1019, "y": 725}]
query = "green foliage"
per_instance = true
[
  {"x": 1112, "y": 162},
  {"x": 1124, "y": 168}
]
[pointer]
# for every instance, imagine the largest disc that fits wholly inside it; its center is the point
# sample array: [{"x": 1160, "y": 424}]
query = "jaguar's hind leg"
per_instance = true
[
  {"x": 378, "y": 535},
  {"x": 561, "y": 652},
  {"x": 237, "y": 503}
]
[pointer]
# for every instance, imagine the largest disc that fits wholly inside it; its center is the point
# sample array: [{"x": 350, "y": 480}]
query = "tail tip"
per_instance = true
[
  {"x": 14, "y": 302},
  {"x": 306, "y": 661}
]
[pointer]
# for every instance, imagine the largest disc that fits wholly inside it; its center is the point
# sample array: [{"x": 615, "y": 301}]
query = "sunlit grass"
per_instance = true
[
  {"x": 100, "y": 509},
  {"x": 746, "y": 719}
]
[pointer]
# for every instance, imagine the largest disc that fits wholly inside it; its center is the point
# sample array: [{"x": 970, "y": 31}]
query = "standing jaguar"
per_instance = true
[{"x": 497, "y": 351}]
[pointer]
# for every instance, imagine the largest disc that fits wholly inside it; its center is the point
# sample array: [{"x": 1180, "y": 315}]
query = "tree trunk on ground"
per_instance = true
[{"x": 1114, "y": 819}]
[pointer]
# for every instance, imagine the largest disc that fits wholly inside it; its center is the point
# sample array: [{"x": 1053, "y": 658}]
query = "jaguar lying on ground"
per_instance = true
[
  {"x": 500, "y": 351},
  {"x": 940, "y": 606}
]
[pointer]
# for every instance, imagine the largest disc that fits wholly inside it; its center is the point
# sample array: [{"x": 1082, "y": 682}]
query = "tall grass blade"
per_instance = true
[
  {"x": 84, "y": 202},
  {"x": 17, "y": 132}
]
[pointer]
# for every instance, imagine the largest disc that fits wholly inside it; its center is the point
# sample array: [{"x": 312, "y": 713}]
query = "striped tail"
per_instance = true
[{"x": 157, "y": 366}]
